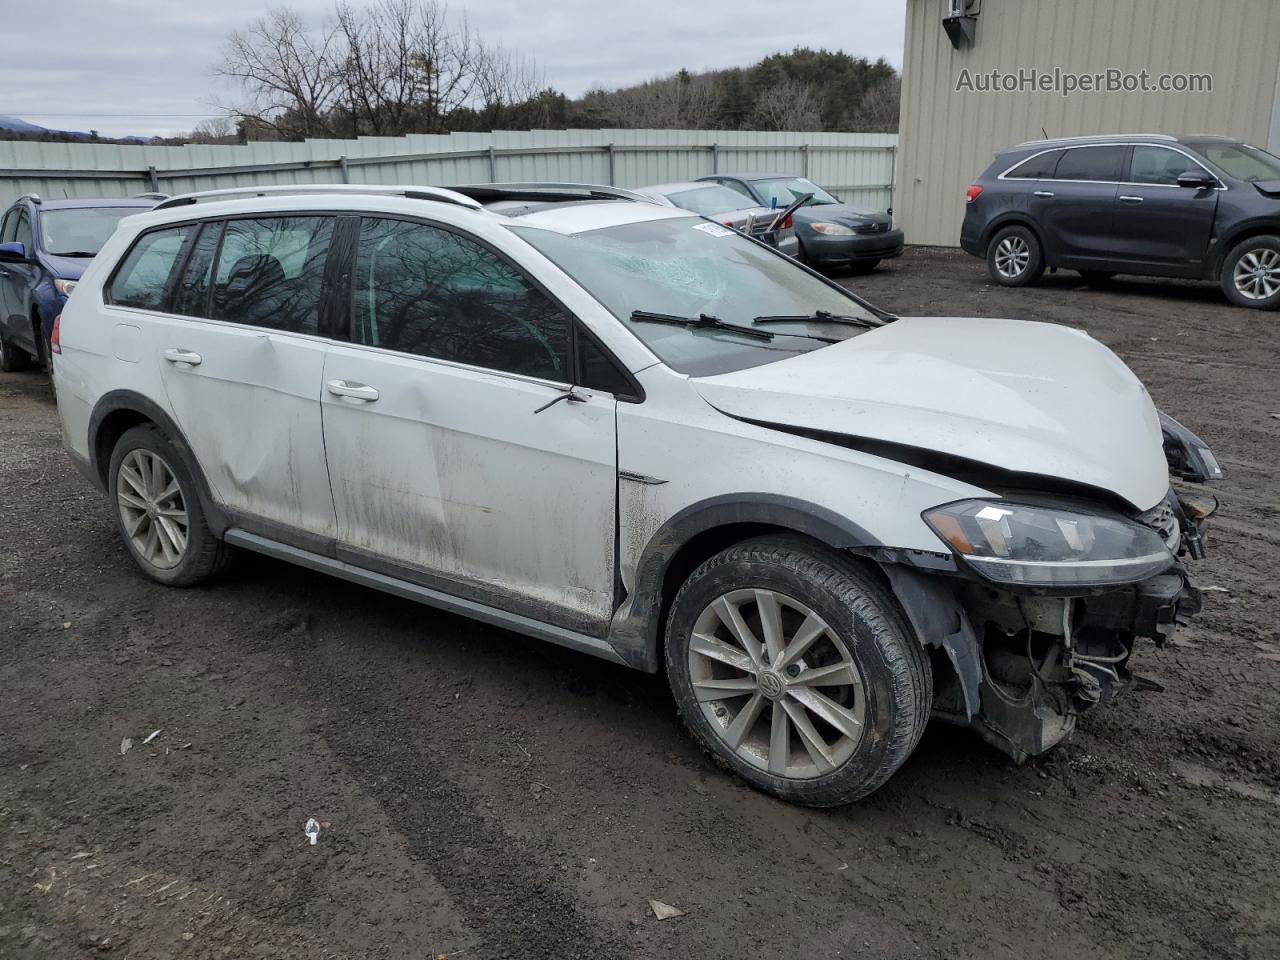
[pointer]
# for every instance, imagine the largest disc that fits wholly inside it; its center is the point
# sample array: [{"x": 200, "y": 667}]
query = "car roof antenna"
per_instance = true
[{"x": 1045, "y": 132}]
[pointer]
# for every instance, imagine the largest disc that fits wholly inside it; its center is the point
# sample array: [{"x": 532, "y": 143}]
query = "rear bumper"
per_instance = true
[{"x": 859, "y": 247}]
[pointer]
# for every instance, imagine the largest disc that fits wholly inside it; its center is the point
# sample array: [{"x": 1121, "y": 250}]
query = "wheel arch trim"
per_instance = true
[
  {"x": 636, "y": 632},
  {"x": 128, "y": 401}
]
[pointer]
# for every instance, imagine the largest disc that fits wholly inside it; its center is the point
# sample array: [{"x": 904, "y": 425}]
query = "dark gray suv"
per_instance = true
[{"x": 1203, "y": 208}]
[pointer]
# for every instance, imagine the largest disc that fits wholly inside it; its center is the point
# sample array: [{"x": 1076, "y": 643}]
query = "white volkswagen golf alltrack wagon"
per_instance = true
[{"x": 629, "y": 430}]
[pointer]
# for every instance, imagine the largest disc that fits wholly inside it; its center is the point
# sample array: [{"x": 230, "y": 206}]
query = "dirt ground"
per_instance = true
[{"x": 483, "y": 796}]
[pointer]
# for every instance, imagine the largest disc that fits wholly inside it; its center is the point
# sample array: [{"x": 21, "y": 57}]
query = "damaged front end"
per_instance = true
[{"x": 1040, "y": 618}]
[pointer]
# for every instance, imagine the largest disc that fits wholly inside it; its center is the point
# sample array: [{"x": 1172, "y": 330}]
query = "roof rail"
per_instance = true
[
  {"x": 438, "y": 194},
  {"x": 1101, "y": 137},
  {"x": 540, "y": 190}
]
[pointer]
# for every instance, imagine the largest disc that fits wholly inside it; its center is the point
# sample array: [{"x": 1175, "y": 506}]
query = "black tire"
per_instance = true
[
  {"x": 802, "y": 256},
  {"x": 1266, "y": 251},
  {"x": 1030, "y": 270},
  {"x": 862, "y": 612},
  {"x": 12, "y": 358},
  {"x": 863, "y": 266},
  {"x": 204, "y": 555},
  {"x": 1096, "y": 278}
]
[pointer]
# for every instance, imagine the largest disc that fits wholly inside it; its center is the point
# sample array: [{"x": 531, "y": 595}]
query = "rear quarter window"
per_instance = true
[
  {"x": 142, "y": 279},
  {"x": 1039, "y": 167}
]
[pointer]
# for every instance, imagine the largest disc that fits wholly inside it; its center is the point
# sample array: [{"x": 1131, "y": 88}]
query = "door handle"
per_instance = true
[
  {"x": 1043, "y": 193},
  {"x": 188, "y": 357},
  {"x": 1130, "y": 199},
  {"x": 351, "y": 391}
]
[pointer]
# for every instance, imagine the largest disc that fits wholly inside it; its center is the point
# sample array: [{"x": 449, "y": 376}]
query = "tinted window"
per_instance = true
[
  {"x": 1090, "y": 163},
  {"x": 1159, "y": 165},
  {"x": 423, "y": 290},
  {"x": 142, "y": 278},
  {"x": 22, "y": 233},
  {"x": 10, "y": 223},
  {"x": 270, "y": 272},
  {"x": 599, "y": 372},
  {"x": 1037, "y": 168},
  {"x": 191, "y": 296}
]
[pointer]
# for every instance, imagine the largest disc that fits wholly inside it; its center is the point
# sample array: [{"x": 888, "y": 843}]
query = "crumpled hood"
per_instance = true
[{"x": 1033, "y": 398}]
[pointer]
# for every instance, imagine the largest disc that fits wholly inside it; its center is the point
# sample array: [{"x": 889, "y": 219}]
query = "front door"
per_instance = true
[
  {"x": 16, "y": 282},
  {"x": 1076, "y": 207},
  {"x": 1160, "y": 226},
  {"x": 242, "y": 359},
  {"x": 443, "y": 469}
]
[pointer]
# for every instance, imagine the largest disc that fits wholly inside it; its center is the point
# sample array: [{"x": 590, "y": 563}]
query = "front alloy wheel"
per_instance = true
[
  {"x": 794, "y": 666},
  {"x": 776, "y": 684},
  {"x": 1251, "y": 273}
]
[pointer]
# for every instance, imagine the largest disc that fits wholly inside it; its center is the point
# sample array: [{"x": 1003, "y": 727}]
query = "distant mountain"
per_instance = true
[
  {"x": 18, "y": 125},
  {"x": 15, "y": 128}
]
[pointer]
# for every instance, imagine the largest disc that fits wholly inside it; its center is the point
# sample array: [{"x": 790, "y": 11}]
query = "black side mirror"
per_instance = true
[
  {"x": 13, "y": 253},
  {"x": 1197, "y": 180}
]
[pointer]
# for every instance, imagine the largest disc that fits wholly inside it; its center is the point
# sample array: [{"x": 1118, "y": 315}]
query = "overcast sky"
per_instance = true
[{"x": 114, "y": 65}]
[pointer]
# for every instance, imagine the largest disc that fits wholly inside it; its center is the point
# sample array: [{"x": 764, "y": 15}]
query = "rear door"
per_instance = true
[
  {"x": 1160, "y": 226},
  {"x": 451, "y": 462},
  {"x": 8, "y": 278},
  {"x": 1075, "y": 207},
  {"x": 241, "y": 355}
]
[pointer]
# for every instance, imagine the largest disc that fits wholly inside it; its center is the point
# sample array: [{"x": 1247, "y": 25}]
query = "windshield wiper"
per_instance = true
[
  {"x": 702, "y": 321},
  {"x": 822, "y": 316},
  {"x": 74, "y": 253}
]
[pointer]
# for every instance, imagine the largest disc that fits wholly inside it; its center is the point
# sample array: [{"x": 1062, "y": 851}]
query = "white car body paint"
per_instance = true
[
  {"x": 1035, "y": 398},
  {"x": 456, "y": 474}
]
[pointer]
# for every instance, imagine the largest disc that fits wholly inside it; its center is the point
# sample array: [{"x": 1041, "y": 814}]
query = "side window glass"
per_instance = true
[
  {"x": 1156, "y": 165},
  {"x": 270, "y": 272},
  {"x": 420, "y": 289},
  {"x": 144, "y": 275},
  {"x": 1037, "y": 168},
  {"x": 598, "y": 371},
  {"x": 1090, "y": 163},
  {"x": 22, "y": 233},
  {"x": 10, "y": 225},
  {"x": 191, "y": 296}
]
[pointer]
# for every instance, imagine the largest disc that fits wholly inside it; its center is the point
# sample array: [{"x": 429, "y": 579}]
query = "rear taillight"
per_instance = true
[
  {"x": 55, "y": 335},
  {"x": 973, "y": 193},
  {"x": 788, "y": 223}
]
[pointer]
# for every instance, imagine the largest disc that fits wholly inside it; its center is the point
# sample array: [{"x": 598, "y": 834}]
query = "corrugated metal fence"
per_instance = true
[{"x": 859, "y": 167}]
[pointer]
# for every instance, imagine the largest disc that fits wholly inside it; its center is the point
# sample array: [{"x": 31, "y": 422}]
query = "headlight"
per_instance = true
[
  {"x": 65, "y": 287},
  {"x": 1038, "y": 546},
  {"x": 833, "y": 229}
]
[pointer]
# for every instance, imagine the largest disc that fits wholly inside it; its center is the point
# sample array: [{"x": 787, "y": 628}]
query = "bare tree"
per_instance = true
[
  {"x": 287, "y": 73},
  {"x": 786, "y": 105},
  {"x": 880, "y": 107},
  {"x": 214, "y": 130}
]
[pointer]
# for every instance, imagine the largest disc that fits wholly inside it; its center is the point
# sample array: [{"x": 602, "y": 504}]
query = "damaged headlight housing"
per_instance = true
[{"x": 1028, "y": 545}]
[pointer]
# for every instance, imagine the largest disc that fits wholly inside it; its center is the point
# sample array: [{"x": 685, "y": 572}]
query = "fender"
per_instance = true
[
  {"x": 135, "y": 403},
  {"x": 1222, "y": 246},
  {"x": 635, "y": 631}
]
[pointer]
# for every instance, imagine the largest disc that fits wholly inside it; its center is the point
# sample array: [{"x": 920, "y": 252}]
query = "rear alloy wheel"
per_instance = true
[
  {"x": 1251, "y": 273},
  {"x": 795, "y": 668},
  {"x": 1014, "y": 257},
  {"x": 159, "y": 512}
]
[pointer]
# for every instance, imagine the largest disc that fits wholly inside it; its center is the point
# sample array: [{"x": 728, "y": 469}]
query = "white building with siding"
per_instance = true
[{"x": 952, "y": 122}]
